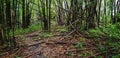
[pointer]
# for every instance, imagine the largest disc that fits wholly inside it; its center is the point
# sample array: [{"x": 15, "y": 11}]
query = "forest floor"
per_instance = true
[{"x": 57, "y": 46}]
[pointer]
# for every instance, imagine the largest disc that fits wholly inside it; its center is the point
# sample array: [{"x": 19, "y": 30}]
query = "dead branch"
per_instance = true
[
  {"x": 77, "y": 50},
  {"x": 18, "y": 51},
  {"x": 100, "y": 53},
  {"x": 69, "y": 33},
  {"x": 36, "y": 44},
  {"x": 31, "y": 54},
  {"x": 60, "y": 42}
]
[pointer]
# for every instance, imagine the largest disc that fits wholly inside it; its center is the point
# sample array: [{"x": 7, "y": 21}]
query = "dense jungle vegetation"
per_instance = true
[{"x": 59, "y": 28}]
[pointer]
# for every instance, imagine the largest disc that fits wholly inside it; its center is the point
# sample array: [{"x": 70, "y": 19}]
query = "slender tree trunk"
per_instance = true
[
  {"x": 28, "y": 13},
  {"x": 50, "y": 14},
  {"x": 23, "y": 14},
  {"x": 8, "y": 14},
  {"x": 118, "y": 10},
  {"x": 91, "y": 10},
  {"x": 99, "y": 12}
]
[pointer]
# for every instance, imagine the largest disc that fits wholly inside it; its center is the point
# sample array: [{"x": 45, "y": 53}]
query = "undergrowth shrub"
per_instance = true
[
  {"x": 111, "y": 31},
  {"x": 96, "y": 33},
  {"x": 46, "y": 35},
  {"x": 79, "y": 45},
  {"x": 30, "y": 29},
  {"x": 116, "y": 56}
]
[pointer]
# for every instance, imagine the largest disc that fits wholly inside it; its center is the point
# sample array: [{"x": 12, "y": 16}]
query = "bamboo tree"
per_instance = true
[
  {"x": 23, "y": 14},
  {"x": 28, "y": 13},
  {"x": 46, "y": 11},
  {"x": 59, "y": 16},
  {"x": 8, "y": 13},
  {"x": 1, "y": 21},
  {"x": 91, "y": 13},
  {"x": 118, "y": 11},
  {"x": 99, "y": 12},
  {"x": 49, "y": 20}
]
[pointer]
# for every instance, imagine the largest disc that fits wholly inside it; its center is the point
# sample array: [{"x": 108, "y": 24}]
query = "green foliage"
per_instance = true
[
  {"x": 117, "y": 15},
  {"x": 30, "y": 29},
  {"x": 110, "y": 31},
  {"x": 79, "y": 45},
  {"x": 87, "y": 53},
  {"x": 46, "y": 35},
  {"x": 101, "y": 48},
  {"x": 117, "y": 25},
  {"x": 95, "y": 33},
  {"x": 62, "y": 29},
  {"x": 116, "y": 56},
  {"x": 82, "y": 39},
  {"x": 98, "y": 57},
  {"x": 17, "y": 57},
  {"x": 116, "y": 45}
]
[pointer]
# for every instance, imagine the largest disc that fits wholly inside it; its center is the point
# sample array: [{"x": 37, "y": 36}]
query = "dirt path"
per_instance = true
[
  {"x": 43, "y": 48},
  {"x": 55, "y": 47},
  {"x": 33, "y": 49}
]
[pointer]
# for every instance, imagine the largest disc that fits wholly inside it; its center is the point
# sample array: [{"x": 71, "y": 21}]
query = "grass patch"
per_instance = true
[
  {"x": 79, "y": 45},
  {"x": 62, "y": 29},
  {"x": 110, "y": 31},
  {"x": 46, "y": 35},
  {"x": 116, "y": 56},
  {"x": 30, "y": 29}
]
